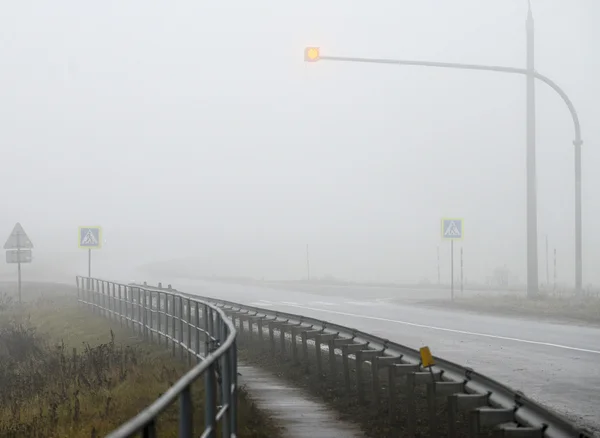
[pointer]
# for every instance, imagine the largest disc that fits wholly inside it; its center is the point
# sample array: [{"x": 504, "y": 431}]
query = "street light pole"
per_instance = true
[
  {"x": 312, "y": 54},
  {"x": 532, "y": 235}
]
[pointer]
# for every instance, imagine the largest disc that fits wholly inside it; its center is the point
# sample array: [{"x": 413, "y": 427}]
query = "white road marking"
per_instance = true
[
  {"x": 261, "y": 304},
  {"x": 289, "y": 303},
  {"x": 361, "y": 303},
  {"x": 322, "y": 303},
  {"x": 463, "y": 332}
]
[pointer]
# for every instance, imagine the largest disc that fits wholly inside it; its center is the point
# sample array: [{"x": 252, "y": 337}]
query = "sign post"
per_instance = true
[
  {"x": 452, "y": 229},
  {"x": 90, "y": 238},
  {"x": 18, "y": 246}
]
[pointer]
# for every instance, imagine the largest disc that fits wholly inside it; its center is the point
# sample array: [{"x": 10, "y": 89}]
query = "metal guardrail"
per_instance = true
[
  {"x": 189, "y": 324},
  {"x": 489, "y": 404}
]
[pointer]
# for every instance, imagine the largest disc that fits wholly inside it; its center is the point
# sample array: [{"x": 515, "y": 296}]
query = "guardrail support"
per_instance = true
[
  {"x": 189, "y": 331},
  {"x": 197, "y": 320},
  {"x": 150, "y": 430},
  {"x": 329, "y": 339},
  {"x": 186, "y": 424},
  {"x": 514, "y": 431},
  {"x": 210, "y": 407},
  {"x": 180, "y": 327},
  {"x": 295, "y": 331},
  {"x": 311, "y": 334},
  {"x": 206, "y": 330},
  {"x": 488, "y": 417}
]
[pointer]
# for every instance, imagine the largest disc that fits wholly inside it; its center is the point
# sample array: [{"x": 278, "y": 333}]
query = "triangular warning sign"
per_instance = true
[
  {"x": 452, "y": 230},
  {"x": 89, "y": 239},
  {"x": 18, "y": 239}
]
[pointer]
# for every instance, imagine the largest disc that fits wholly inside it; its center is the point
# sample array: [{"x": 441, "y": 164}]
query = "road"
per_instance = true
[{"x": 556, "y": 364}]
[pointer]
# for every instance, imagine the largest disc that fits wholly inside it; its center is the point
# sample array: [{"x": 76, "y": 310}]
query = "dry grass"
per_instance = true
[{"x": 67, "y": 372}]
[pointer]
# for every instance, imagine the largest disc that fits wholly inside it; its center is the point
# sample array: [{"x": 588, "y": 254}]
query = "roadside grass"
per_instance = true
[
  {"x": 67, "y": 372},
  {"x": 562, "y": 307}
]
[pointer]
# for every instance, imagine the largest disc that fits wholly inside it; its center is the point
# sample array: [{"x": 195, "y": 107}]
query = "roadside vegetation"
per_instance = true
[
  {"x": 67, "y": 372},
  {"x": 564, "y": 307}
]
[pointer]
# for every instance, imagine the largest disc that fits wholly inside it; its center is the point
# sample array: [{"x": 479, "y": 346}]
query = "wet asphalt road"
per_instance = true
[{"x": 556, "y": 364}]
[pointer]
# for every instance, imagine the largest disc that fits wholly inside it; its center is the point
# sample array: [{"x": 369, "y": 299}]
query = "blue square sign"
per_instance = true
[
  {"x": 452, "y": 229},
  {"x": 90, "y": 237}
]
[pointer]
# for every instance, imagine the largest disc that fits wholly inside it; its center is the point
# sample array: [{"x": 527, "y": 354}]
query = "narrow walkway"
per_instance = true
[{"x": 302, "y": 415}]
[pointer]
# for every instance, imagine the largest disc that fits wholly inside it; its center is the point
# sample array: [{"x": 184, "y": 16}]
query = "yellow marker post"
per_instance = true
[
  {"x": 428, "y": 361},
  {"x": 426, "y": 358}
]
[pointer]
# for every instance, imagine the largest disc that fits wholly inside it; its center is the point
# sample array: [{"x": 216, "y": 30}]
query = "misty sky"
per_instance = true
[{"x": 195, "y": 129}]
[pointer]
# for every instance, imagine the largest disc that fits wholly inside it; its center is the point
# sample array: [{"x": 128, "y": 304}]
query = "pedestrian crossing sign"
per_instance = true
[
  {"x": 90, "y": 237},
  {"x": 452, "y": 229}
]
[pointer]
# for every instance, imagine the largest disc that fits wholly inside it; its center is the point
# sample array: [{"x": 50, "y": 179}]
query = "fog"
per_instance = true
[{"x": 196, "y": 130}]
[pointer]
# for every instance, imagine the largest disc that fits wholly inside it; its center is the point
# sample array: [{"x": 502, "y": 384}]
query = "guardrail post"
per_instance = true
[
  {"x": 250, "y": 329},
  {"x": 332, "y": 359},
  {"x": 120, "y": 306},
  {"x": 180, "y": 335},
  {"x": 226, "y": 384},
  {"x": 115, "y": 311},
  {"x": 150, "y": 314},
  {"x": 359, "y": 376},
  {"x": 346, "y": 367},
  {"x": 101, "y": 301},
  {"x": 106, "y": 299},
  {"x": 240, "y": 320},
  {"x": 149, "y": 430},
  {"x": 211, "y": 320},
  {"x": 206, "y": 332},
  {"x": 318, "y": 355},
  {"x": 488, "y": 417},
  {"x": 137, "y": 311},
  {"x": 375, "y": 379},
  {"x": 272, "y": 338},
  {"x": 329, "y": 339},
  {"x": 259, "y": 324},
  {"x": 282, "y": 340},
  {"x": 307, "y": 334},
  {"x": 95, "y": 297},
  {"x": 463, "y": 402},
  {"x": 234, "y": 388},
  {"x": 295, "y": 331},
  {"x": 432, "y": 405},
  {"x": 144, "y": 299},
  {"x": 210, "y": 401},
  {"x": 189, "y": 331},
  {"x": 197, "y": 320},
  {"x": 112, "y": 301},
  {"x": 186, "y": 424},
  {"x": 126, "y": 298},
  {"x": 159, "y": 318},
  {"x": 173, "y": 328},
  {"x": 411, "y": 409}
]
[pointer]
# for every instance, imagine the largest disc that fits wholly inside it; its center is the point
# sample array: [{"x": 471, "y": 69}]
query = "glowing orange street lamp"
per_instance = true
[{"x": 311, "y": 54}]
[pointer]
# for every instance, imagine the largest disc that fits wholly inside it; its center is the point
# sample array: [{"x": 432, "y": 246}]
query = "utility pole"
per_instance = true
[{"x": 532, "y": 262}]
